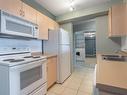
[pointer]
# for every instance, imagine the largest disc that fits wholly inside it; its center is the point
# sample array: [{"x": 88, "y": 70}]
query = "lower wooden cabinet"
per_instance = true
[
  {"x": 51, "y": 70},
  {"x": 106, "y": 93}
]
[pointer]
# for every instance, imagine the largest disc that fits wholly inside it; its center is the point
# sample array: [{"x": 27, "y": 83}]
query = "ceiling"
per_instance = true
[{"x": 59, "y": 7}]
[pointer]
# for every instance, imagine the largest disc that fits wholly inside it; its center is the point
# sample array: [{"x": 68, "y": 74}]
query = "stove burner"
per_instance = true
[
  {"x": 32, "y": 57},
  {"x": 8, "y": 59},
  {"x": 17, "y": 60},
  {"x": 28, "y": 56},
  {"x": 36, "y": 56}
]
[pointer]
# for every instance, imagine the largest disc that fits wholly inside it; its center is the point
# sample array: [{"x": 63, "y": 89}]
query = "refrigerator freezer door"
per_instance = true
[
  {"x": 63, "y": 37},
  {"x": 64, "y": 63}
]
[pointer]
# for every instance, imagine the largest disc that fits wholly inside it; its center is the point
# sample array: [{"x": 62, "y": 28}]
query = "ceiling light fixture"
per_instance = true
[
  {"x": 71, "y": 8},
  {"x": 71, "y": 5}
]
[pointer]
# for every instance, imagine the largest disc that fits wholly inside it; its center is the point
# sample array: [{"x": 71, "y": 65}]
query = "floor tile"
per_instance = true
[
  {"x": 73, "y": 85},
  {"x": 83, "y": 93},
  {"x": 58, "y": 89},
  {"x": 86, "y": 88},
  {"x": 68, "y": 91},
  {"x": 51, "y": 93},
  {"x": 79, "y": 83}
]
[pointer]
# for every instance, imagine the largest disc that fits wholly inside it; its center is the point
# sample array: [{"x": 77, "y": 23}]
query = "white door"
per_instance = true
[{"x": 64, "y": 62}]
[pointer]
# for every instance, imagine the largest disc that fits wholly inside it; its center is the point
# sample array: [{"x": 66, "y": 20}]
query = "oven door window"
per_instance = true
[{"x": 30, "y": 76}]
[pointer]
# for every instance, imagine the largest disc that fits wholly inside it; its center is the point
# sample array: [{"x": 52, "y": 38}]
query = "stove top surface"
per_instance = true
[
  {"x": 12, "y": 60},
  {"x": 12, "y": 56}
]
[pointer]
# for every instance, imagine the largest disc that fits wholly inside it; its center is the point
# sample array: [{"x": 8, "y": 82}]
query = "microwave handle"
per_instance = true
[{"x": 35, "y": 31}]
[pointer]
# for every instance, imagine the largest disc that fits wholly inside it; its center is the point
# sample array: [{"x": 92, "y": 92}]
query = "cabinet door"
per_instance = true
[
  {"x": 117, "y": 24},
  {"x": 11, "y": 6},
  {"x": 29, "y": 13},
  {"x": 56, "y": 26},
  {"x": 50, "y": 24},
  {"x": 43, "y": 26},
  {"x": 52, "y": 71}
]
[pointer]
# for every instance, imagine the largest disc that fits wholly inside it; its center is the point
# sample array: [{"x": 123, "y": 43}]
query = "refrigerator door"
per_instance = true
[
  {"x": 64, "y": 63},
  {"x": 63, "y": 37}
]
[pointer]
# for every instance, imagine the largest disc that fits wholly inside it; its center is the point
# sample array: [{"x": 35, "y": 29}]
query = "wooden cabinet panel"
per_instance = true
[
  {"x": 11, "y": 6},
  {"x": 106, "y": 93},
  {"x": 52, "y": 71},
  {"x": 51, "y": 24},
  {"x": 43, "y": 26},
  {"x": 117, "y": 23},
  {"x": 29, "y": 13},
  {"x": 56, "y": 26},
  {"x": 18, "y": 8}
]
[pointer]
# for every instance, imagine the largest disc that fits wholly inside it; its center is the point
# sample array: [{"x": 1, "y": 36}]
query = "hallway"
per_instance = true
[{"x": 79, "y": 83}]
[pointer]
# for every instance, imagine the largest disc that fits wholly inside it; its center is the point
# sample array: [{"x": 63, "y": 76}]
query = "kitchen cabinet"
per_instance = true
[
  {"x": 43, "y": 26},
  {"x": 20, "y": 9},
  {"x": 106, "y": 93},
  {"x": 11, "y": 6},
  {"x": 117, "y": 20},
  {"x": 56, "y": 26},
  {"x": 51, "y": 71},
  {"x": 51, "y": 25},
  {"x": 29, "y": 13}
]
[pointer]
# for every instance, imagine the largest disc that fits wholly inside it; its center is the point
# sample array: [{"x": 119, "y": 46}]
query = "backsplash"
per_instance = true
[
  {"x": 124, "y": 44},
  {"x": 34, "y": 45}
]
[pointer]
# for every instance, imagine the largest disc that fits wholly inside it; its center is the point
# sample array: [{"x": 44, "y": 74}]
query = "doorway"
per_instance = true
[
  {"x": 85, "y": 43},
  {"x": 90, "y": 44}
]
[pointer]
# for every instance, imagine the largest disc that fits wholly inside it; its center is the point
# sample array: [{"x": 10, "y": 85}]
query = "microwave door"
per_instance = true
[{"x": 15, "y": 26}]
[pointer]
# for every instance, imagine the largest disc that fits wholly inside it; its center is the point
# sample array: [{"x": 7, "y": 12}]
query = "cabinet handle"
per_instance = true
[
  {"x": 20, "y": 12},
  {"x": 23, "y": 13}
]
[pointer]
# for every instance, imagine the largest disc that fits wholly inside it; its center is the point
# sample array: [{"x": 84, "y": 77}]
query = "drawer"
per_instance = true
[{"x": 41, "y": 90}]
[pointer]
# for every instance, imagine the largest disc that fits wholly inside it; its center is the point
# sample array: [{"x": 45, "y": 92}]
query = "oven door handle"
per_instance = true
[{"x": 29, "y": 65}]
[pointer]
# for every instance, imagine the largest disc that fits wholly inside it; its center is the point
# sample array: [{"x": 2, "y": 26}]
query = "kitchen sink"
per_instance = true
[{"x": 114, "y": 57}]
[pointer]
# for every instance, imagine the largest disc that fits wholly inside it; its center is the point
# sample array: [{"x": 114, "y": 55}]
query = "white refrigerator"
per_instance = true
[{"x": 59, "y": 43}]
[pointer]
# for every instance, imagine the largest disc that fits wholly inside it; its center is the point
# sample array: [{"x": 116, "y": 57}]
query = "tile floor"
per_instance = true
[
  {"x": 90, "y": 60},
  {"x": 79, "y": 83}
]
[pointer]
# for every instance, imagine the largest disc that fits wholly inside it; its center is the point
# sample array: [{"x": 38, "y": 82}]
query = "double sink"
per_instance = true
[{"x": 114, "y": 57}]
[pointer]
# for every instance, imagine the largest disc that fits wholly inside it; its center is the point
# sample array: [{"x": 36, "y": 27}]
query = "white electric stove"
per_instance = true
[{"x": 21, "y": 73}]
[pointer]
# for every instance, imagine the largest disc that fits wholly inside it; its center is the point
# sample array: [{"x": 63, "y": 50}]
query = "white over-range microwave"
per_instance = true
[{"x": 16, "y": 26}]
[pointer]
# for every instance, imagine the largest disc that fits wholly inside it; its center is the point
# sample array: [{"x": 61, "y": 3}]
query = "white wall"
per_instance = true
[
  {"x": 34, "y": 45},
  {"x": 104, "y": 44},
  {"x": 86, "y": 26},
  {"x": 124, "y": 43}
]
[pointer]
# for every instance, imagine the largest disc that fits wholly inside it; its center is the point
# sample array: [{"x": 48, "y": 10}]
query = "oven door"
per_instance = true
[{"x": 26, "y": 78}]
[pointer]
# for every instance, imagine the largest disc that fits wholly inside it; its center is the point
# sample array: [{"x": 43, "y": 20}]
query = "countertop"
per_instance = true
[
  {"x": 111, "y": 76},
  {"x": 48, "y": 55}
]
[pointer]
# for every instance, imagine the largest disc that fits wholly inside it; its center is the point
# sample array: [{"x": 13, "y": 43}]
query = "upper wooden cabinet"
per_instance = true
[
  {"x": 20, "y": 9},
  {"x": 117, "y": 20},
  {"x": 56, "y": 26},
  {"x": 43, "y": 26},
  {"x": 11, "y": 6},
  {"x": 50, "y": 24},
  {"x": 29, "y": 13}
]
